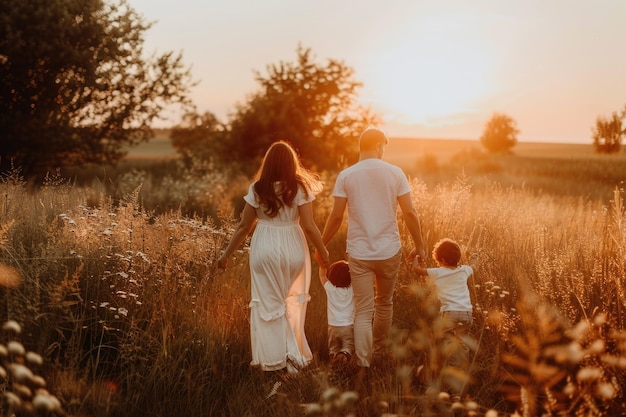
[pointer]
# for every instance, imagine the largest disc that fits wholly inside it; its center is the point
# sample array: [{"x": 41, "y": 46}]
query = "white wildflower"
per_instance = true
[
  {"x": 569, "y": 390},
  {"x": 34, "y": 358},
  {"x": 600, "y": 319},
  {"x": 471, "y": 405},
  {"x": 46, "y": 402},
  {"x": 618, "y": 361},
  {"x": 457, "y": 405},
  {"x": 575, "y": 352},
  {"x": 12, "y": 326},
  {"x": 313, "y": 410},
  {"x": 589, "y": 373},
  {"x": 12, "y": 400},
  {"x": 20, "y": 373},
  {"x": 16, "y": 348},
  {"x": 38, "y": 381},
  {"x": 605, "y": 391},
  {"x": 596, "y": 347},
  {"x": 579, "y": 331},
  {"x": 349, "y": 398},
  {"x": 331, "y": 394}
]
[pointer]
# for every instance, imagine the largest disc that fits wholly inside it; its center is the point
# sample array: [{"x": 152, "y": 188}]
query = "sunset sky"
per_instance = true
[{"x": 430, "y": 68}]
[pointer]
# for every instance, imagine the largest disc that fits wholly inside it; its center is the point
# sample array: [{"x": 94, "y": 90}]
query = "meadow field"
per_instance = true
[{"x": 113, "y": 282}]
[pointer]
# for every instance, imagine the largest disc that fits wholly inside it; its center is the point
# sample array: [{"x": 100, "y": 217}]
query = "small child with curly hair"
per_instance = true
[
  {"x": 340, "y": 311},
  {"x": 453, "y": 292},
  {"x": 451, "y": 281}
]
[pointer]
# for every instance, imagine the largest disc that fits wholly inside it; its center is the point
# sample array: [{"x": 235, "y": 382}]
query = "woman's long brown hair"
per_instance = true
[{"x": 281, "y": 163}]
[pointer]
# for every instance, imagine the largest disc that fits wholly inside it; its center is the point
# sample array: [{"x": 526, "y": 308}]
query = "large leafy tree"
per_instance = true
[
  {"x": 608, "y": 133},
  {"x": 313, "y": 106},
  {"x": 500, "y": 133},
  {"x": 75, "y": 86}
]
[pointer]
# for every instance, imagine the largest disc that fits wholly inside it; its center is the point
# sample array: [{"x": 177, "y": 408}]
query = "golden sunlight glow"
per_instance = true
[{"x": 424, "y": 81}]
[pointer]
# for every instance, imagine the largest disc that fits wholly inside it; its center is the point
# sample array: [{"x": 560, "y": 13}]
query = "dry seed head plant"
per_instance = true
[{"x": 25, "y": 391}]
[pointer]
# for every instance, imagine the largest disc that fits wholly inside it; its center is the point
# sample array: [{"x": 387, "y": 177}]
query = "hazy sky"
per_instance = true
[{"x": 431, "y": 68}]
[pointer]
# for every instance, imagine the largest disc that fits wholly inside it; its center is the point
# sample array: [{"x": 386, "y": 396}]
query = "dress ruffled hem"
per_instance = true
[
  {"x": 280, "y": 311},
  {"x": 292, "y": 364}
]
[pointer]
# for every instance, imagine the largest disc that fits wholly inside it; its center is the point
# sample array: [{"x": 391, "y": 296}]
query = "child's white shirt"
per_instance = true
[
  {"x": 453, "y": 294},
  {"x": 339, "y": 305}
]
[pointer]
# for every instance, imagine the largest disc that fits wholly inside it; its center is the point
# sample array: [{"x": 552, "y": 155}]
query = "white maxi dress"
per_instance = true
[{"x": 280, "y": 269}]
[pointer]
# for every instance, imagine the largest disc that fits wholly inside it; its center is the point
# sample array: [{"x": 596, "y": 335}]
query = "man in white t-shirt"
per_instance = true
[{"x": 372, "y": 190}]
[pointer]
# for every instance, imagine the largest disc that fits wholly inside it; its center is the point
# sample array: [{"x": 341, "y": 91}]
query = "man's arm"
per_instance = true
[
  {"x": 333, "y": 222},
  {"x": 335, "y": 218},
  {"x": 412, "y": 221}
]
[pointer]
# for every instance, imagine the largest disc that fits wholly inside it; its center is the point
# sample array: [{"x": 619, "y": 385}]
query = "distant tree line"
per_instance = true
[{"x": 500, "y": 133}]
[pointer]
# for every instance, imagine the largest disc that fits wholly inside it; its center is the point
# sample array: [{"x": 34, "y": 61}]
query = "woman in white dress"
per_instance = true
[{"x": 279, "y": 202}]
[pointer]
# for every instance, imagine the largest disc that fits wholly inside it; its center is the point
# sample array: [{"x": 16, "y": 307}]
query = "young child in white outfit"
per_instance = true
[
  {"x": 340, "y": 311},
  {"x": 451, "y": 281},
  {"x": 454, "y": 296}
]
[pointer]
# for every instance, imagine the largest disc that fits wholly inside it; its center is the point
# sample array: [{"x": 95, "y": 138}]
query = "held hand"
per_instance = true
[
  {"x": 414, "y": 256},
  {"x": 222, "y": 262},
  {"x": 321, "y": 259},
  {"x": 421, "y": 257},
  {"x": 416, "y": 263},
  {"x": 474, "y": 261}
]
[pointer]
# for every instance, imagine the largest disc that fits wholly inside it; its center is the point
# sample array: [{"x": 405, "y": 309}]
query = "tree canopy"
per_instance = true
[
  {"x": 608, "y": 133},
  {"x": 74, "y": 84},
  {"x": 500, "y": 133},
  {"x": 312, "y": 106}
]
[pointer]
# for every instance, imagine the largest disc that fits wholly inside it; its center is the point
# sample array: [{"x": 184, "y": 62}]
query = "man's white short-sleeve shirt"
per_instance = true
[{"x": 372, "y": 187}]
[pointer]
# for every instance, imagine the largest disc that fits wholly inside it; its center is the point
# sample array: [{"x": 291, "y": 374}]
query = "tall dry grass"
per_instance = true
[{"x": 132, "y": 317}]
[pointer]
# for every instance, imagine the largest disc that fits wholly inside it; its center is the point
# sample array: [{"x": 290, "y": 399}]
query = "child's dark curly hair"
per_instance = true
[
  {"x": 447, "y": 252},
  {"x": 339, "y": 274}
]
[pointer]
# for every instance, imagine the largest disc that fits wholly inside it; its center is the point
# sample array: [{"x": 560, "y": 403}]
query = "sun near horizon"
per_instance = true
[
  {"x": 451, "y": 82},
  {"x": 434, "y": 78}
]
